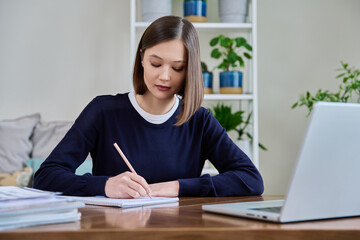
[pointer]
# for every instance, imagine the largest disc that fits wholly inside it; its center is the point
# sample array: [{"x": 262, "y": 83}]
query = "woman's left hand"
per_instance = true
[{"x": 165, "y": 189}]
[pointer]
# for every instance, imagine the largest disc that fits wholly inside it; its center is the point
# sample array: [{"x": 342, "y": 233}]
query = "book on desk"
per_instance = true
[
  {"x": 21, "y": 207},
  {"x": 24, "y": 207}
]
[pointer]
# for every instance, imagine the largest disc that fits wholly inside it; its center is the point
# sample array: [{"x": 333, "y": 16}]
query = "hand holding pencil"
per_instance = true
[{"x": 127, "y": 184}]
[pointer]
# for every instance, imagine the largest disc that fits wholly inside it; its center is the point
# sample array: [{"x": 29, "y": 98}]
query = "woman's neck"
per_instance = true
[{"x": 153, "y": 105}]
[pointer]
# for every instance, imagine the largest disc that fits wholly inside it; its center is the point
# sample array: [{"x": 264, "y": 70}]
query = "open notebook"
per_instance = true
[{"x": 123, "y": 203}]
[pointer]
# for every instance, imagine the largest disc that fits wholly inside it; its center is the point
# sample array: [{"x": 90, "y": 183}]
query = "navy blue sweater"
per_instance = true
[{"x": 158, "y": 152}]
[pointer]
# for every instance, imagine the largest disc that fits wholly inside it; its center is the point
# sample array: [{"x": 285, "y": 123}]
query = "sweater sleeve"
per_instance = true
[
  {"x": 57, "y": 173},
  {"x": 237, "y": 174}
]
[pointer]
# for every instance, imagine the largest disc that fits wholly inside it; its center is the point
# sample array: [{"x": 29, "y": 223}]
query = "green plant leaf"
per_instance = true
[
  {"x": 247, "y": 55},
  {"x": 223, "y": 66},
  {"x": 349, "y": 90},
  {"x": 228, "y": 52},
  {"x": 204, "y": 67},
  {"x": 232, "y": 121},
  {"x": 241, "y": 61},
  {"x": 232, "y": 57},
  {"x": 248, "y": 47},
  {"x": 215, "y": 53},
  {"x": 294, "y": 105},
  {"x": 214, "y": 41},
  {"x": 340, "y": 75},
  {"x": 345, "y": 65},
  {"x": 262, "y": 147},
  {"x": 225, "y": 42},
  {"x": 240, "y": 41}
]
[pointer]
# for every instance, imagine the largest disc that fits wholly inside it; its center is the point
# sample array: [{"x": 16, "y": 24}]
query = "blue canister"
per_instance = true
[
  {"x": 208, "y": 79},
  {"x": 195, "y": 11},
  {"x": 231, "y": 82}
]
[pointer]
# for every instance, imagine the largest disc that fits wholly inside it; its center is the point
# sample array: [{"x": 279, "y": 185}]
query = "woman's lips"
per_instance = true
[{"x": 162, "y": 88}]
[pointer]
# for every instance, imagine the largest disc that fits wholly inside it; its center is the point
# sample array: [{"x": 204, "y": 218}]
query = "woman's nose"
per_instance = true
[{"x": 165, "y": 73}]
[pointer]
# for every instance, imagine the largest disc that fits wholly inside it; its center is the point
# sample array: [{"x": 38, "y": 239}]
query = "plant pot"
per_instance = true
[
  {"x": 208, "y": 79},
  {"x": 233, "y": 11},
  {"x": 195, "y": 11},
  {"x": 245, "y": 146},
  {"x": 153, "y": 9},
  {"x": 231, "y": 82}
]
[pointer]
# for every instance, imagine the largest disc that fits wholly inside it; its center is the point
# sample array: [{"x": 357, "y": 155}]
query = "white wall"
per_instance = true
[
  {"x": 301, "y": 43},
  {"x": 56, "y": 55}
]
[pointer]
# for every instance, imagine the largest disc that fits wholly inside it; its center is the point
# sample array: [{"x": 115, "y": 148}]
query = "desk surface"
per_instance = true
[{"x": 184, "y": 220}]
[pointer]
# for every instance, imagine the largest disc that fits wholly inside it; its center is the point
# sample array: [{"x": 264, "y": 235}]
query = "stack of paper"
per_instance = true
[{"x": 21, "y": 207}]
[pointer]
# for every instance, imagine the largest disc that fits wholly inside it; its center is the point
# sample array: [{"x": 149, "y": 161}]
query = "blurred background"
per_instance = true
[{"x": 57, "y": 55}]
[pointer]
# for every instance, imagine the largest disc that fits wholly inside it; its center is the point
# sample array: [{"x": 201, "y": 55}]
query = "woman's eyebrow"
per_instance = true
[
  {"x": 177, "y": 61},
  {"x": 155, "y": 56}
]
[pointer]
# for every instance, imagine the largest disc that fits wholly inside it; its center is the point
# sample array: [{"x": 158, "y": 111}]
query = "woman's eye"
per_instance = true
[
  {"x": 178, "y": 69},
  {"x": 155, "y": 65}
]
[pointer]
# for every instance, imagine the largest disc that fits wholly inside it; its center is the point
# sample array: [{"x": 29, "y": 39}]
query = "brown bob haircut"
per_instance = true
[{"x": 170, "y": 28}]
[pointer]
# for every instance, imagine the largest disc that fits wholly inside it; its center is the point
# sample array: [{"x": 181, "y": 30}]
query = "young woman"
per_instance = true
[{"x": 159, "y": 126}]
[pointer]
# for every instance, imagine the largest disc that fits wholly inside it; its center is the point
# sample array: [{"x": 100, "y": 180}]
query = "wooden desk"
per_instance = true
[{"x": 185, "y": 220}]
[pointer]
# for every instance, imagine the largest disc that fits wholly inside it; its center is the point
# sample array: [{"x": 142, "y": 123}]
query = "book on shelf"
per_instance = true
[{"x": 24, "y": 207}]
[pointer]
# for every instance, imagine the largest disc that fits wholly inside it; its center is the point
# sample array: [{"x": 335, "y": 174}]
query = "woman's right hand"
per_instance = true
[{"x": 126, "y": 185}]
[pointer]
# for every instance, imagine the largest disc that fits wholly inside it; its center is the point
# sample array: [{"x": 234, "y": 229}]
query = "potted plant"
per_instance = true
[
  {"x": 235, "y": 122},
  {"x": 349, "y": 90},
  {"x": 232, "y": 10},
  {"x": 195, "y": 10},
  {"x": 207, "y": 78},
  {"x": 231, "y": 51}
]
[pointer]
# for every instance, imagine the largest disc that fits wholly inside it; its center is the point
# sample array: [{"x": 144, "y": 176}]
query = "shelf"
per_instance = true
[
  {"x": 207, "y": 26},
  {"x": 228, "y": 97},
  {"x": 206, "y": 31},
  {"x": 231, "y": 26}
]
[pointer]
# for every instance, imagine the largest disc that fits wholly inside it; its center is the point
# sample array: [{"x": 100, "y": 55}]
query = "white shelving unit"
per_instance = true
[{"x": 250, "y": 97}]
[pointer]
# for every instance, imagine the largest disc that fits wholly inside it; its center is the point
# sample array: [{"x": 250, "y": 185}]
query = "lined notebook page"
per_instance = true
[{"x": 123, "y": 203}]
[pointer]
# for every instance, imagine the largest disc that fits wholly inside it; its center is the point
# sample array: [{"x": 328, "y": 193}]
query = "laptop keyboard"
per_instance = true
[{"x": 269, "y": 209}]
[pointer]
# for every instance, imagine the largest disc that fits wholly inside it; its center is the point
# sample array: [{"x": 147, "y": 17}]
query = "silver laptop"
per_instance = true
[{"x": 325, "y": 182}]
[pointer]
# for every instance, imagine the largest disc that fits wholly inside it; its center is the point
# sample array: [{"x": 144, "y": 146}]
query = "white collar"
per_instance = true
[{"x": 155, "y": 119}]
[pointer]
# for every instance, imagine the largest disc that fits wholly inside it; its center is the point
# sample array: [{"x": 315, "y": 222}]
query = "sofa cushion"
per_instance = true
[
  {"x": 19, "y": 178},
  {"x": 85, "y": 167},
  {"x": 15, "y": 143},
  {"x": 46, "y": 136}
]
